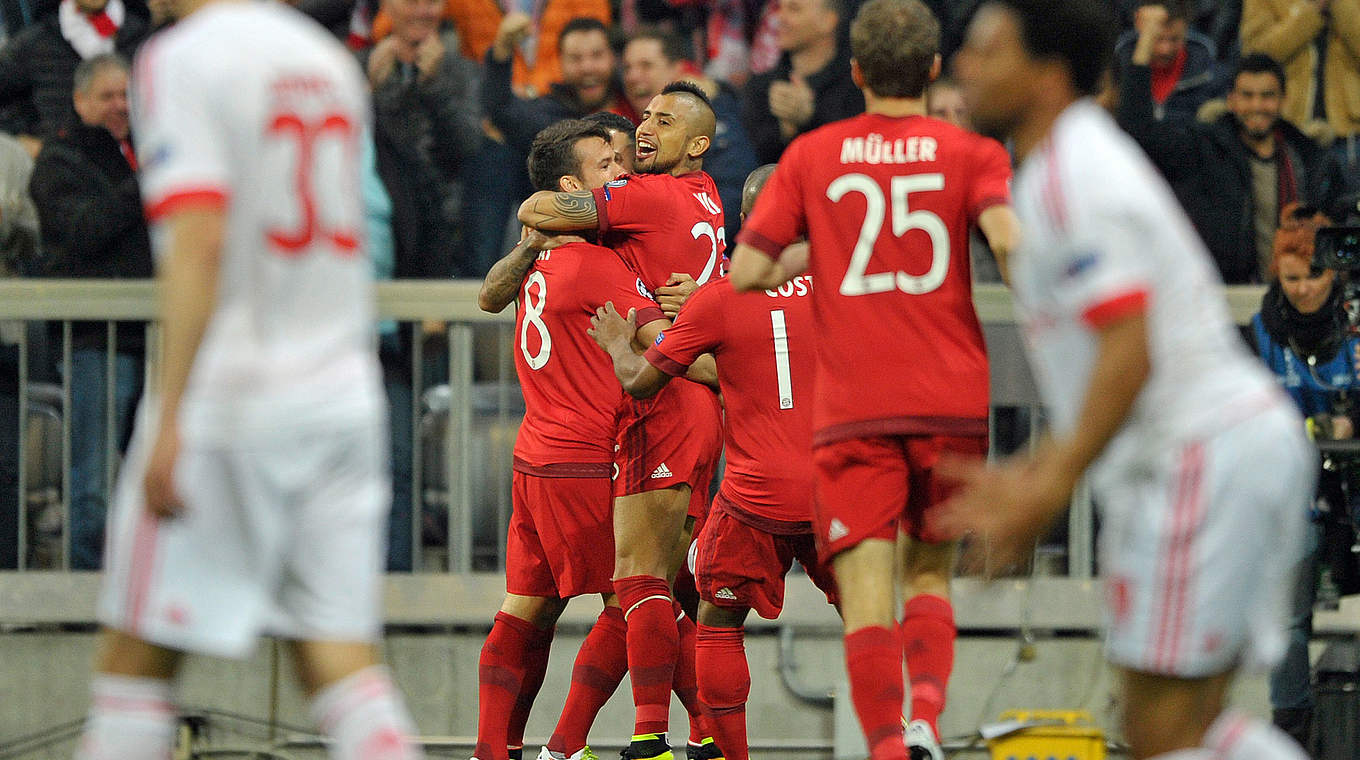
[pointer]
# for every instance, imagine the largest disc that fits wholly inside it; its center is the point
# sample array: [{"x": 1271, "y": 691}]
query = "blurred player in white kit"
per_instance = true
[
  {"x": 1195, "y": 457},
  {"x": 255, "y": 494}
]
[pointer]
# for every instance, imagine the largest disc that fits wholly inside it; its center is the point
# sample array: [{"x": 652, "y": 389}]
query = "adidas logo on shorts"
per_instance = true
[
  {"x": 838, "y": 530},
  {"x": 662, "y": 471},
  {"x": 725, "y": 594}
]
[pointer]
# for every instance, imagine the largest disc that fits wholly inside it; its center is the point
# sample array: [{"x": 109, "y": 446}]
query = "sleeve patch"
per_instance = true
[{"x": 1080, "y": 263}]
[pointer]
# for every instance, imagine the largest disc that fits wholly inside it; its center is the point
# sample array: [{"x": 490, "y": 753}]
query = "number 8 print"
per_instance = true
[{"x": 532, "y": 316}]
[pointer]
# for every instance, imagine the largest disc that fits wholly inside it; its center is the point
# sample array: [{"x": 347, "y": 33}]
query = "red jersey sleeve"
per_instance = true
[
  {"x": 621, "y": 285},
  {"x": 779, "y": 217},
  {"x": 629, "y": 203},
  {"x": 992, "y": 182},
  {"x": 697, "y": 330}
]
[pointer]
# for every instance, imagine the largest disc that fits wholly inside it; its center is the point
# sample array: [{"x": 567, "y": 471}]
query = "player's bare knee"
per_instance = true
[
  {"x": 539, "y": 611},
  {"x": 864, "y": 574},
  {"x": 322, "y": 663},
  {"x": 714, "y": 616},
  {"x": 121, "y": 654}
]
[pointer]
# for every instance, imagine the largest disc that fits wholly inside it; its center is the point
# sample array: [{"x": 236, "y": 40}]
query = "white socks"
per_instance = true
[
  {"x": 365, "y": 718},
  {"x": 130, "y": 719}
]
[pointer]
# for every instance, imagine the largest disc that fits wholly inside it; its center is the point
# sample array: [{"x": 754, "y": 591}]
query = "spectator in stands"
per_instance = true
[
  {"x": 1318, "y": 43},
  {"x": 810, "y": 86},
  {"x": 944, "y": 101},
  {"x": 1216, "y": 20},
  {"x": 1179, "y": 59},
  {"x": 537, "y": 58},
  {"x": 426, "y": 126},
  {"x": 589, "y": 81},
  {"x": 1301, "y": 334},
  {"x": 652, "y": 59},
  {"x": 37, "y": 65},
  {"x": 1233, "y": 174},
  {"x": 84, "y": 186}
]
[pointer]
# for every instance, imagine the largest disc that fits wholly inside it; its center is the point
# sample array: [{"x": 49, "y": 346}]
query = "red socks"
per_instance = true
[
  {"x": 599, "y": 668},
  {"x": 686, "y": 684},
  {"x": 535, "y": 668},
  {"x": 653, "y": 643},
  {"x": 928, "y": 634},
  {"x": 873, "y": 659},
  {"x": 724, "y": 685},
  {"x": 505, "y": 668}
]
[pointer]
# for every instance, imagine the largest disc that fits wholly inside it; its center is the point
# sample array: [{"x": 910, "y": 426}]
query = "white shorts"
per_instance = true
[
  {"x": 285, "y": 536},
  {"x": 1199, "y": 545}
]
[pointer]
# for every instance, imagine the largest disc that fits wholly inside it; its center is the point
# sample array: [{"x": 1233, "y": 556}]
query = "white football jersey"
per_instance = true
[
  {"x": 1102, "y": 233},
  {"x": 255, "y": 107}
]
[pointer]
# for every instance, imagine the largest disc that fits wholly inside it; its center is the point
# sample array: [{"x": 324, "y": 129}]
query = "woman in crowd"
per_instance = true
[{"x": 1303, "y": 334}]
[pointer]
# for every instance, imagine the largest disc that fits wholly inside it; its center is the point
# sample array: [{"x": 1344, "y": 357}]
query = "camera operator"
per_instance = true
[{"x": 1302, "y": 333}]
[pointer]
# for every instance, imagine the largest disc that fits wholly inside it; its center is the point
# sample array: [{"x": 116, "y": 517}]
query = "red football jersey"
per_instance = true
[
  {"x": 570, "y": 393},
  {"x": 661, "y": 224},
  {"x": 763, "y": 343},
  {"x": 886, "y": 204}
]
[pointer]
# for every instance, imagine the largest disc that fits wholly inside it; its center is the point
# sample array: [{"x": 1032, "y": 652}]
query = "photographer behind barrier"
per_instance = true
[{"x": 1304, "y": 335}]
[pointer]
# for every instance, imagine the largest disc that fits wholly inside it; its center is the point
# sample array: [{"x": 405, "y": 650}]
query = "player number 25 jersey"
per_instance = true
[{"x": 886, "y": 204}]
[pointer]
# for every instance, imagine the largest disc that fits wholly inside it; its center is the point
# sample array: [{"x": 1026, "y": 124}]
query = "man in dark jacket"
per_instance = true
[
  {"x": 84, "y": 186},
  {"x": 426, "y": 127},
  {"x": 810, "y": 86},
  {"x": 589, "y": 82},
  {"x": 37, "y": 64},
  {"x": 1234, "y": 174},
  {"x": 1180, "y": 59}
]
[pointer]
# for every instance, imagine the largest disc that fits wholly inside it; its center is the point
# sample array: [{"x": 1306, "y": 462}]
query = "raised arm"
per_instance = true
[{"x": 560, "y": 211}]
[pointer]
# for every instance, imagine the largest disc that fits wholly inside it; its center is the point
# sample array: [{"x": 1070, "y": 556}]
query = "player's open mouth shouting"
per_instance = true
[{"x": 645, "y": 148}]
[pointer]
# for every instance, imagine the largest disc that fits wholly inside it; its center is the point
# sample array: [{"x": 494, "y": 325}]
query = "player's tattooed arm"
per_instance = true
[
  {"x": 618, "y": 335},
  {"x": 502, "y": 282},
  {"x": 560, "y": 211}
]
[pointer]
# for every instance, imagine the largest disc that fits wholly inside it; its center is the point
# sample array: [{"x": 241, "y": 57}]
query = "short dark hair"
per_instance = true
[
  {"x": 553, "y": 153},
  {"x": 582, "y": 24},
  {"x": 673, "y": 46},
  {"x": 1259, "y": 63},
  {"x": 611, "y": 120},
  {"x": 690, "y": 88},
  {"x": 1079, "y": 33},
  {"x": 895, "y": 43}
]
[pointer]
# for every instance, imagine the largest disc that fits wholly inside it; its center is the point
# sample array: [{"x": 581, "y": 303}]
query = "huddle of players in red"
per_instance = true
[{"x": 829, "y": 462}]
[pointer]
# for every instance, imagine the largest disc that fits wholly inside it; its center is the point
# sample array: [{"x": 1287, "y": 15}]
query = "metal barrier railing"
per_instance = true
[{"x": 465, "y": 405}]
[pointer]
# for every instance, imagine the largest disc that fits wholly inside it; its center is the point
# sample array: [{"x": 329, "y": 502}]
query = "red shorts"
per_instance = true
[
  {"x": 738, "y": 565},
  {"x": 561, "y": 537},
  {"x": 872, "y": 487},
  {"x": 672, "y": 440}
]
